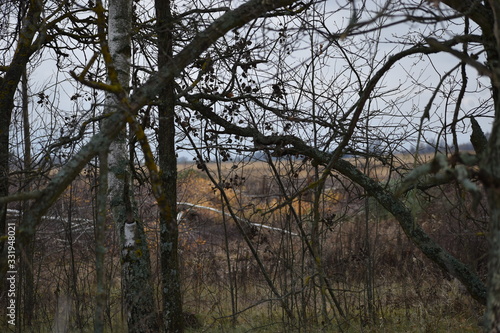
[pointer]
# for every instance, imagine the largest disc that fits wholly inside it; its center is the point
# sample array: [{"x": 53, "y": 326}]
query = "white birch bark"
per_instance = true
[{"x": 136, "y": 268}]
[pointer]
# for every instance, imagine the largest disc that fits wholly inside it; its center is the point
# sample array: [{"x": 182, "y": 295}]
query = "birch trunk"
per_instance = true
[{"x": 136, "y": 268}]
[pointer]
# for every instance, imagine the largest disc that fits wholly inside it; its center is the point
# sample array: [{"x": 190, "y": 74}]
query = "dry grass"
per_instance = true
[
  {"x": 225, "y": 288},
  {"x": 411, "y": 294}
]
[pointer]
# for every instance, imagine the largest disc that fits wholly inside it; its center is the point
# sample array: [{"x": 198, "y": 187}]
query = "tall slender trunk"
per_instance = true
[
  {"x": 490, "y": 169},
  {"x": 100, "y": 250},
  {"x": 136, "y": 268},
  {"x": 8, "y": 86},
  {"x": 172, "y": 302},
  {"x": 26, "y": 258}
]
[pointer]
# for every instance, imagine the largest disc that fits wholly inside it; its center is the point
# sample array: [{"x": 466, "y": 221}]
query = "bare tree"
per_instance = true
[
  {"x": 29, "y": 23},
  {"x": 124, "y": 110},
  {"x": 358, "y": 95},
  {"x": 235, "y": 81}
]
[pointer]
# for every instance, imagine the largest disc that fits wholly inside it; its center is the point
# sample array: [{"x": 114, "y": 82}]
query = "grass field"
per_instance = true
[
  {"x": 404, "y": 293},
  {"x": 257, "y": 273}
]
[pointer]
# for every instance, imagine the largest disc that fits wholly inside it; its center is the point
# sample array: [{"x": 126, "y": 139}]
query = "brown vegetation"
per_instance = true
[{"x": 410, "y": 292}]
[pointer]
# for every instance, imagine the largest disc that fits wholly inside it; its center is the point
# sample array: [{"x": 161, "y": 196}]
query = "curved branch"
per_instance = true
[
  {"x": 230, "y": 20},
  {"x": 396, "y": 207},
  {"x": 245, "y": 13}
]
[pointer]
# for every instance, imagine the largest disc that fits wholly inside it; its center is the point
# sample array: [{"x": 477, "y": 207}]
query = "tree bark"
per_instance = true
[
  {"x": 8, "y": 86},
  {"x": 100, "y": 250},
  {"x": 136, "y": 268},
  {"x": 487, "y": 16},
  {"x": 26, "y": 258},
  {"x": 170, "y": 273},
  {"x": 490, "y": 173}
]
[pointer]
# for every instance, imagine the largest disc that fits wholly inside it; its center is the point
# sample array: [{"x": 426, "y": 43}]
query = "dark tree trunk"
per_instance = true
[
  {"x": 8, "y": 86},
  {"x": 172, "y": 302}
]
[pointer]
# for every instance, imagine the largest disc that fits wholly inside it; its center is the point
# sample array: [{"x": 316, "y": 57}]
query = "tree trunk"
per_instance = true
[
  {"x": 26, "y": 258},
  {"x": 8, "y": 86},
  {"x": 172, "y": 302},
  {"x": 136, "y": 267},
  {"x": 490, "y": 173},
  {"x": 100, "y": 250}
]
